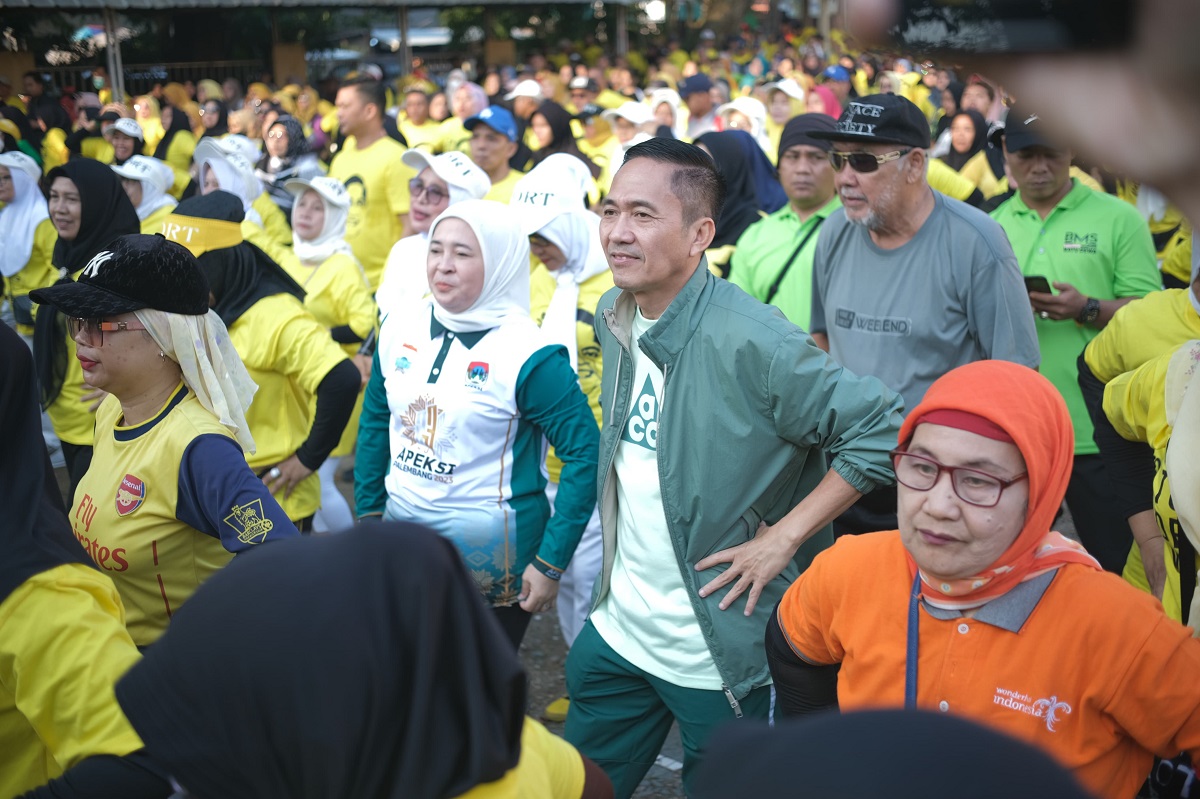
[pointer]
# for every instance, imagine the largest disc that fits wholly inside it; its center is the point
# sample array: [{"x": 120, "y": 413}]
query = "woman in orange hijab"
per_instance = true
[{"x": 976, "y": 607}]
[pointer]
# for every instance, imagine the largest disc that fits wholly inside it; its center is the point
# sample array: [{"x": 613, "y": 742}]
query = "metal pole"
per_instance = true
[
  {"x": 111, "y": 56},
  {"x": 622, "y": 31},
  {"x": 406, "y": 55},
  {"x": 118, "y": 79}
]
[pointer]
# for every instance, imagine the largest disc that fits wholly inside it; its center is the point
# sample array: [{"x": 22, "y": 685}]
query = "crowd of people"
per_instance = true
[{"x": 679, "y": 345}]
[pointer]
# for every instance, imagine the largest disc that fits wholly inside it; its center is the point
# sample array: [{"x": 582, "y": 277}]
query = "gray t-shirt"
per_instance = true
[{"x": 952, "y": 295}]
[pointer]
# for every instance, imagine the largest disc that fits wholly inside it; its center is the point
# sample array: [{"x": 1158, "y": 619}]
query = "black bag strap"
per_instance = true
[{"x": 791, "y": 260}]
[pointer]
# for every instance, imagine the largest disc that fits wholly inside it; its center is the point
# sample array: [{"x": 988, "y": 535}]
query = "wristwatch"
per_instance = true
[{"x": 1090, "y": 312}]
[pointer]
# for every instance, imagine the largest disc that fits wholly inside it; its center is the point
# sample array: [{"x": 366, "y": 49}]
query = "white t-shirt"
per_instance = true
[
  {"x": 647, "y": 616},
  {"x": 405, "y": 280}
]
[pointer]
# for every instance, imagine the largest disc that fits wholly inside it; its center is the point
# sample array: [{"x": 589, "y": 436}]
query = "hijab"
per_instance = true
[
  {"x": 1030, "y": 411},
  {"x": 956, "y": 160},
  {"x": 754, "y": 111},
  {"x": 505, "y": 251},
  {"x": 36, "y": 533},
  {"x": 734, "y": 153},
  {"x": 956, "y": 90},
  {"x": 19, "y": 219},
  {"x": 235, "y": 175},
  {"x": 105, "y": 214},
  {"x": 563, "y": 141},
  {"x": 832, "y": 107},
  {"x": 913, "y": 754},
  {"x": 241, "y": 275},
  {"x": 398, "y": 681},
  {"x": 577, "y": 233},
  {"x": 179, "y": 123},
  {"x": 222, "y": 126},
  {"x": 332, "y": 238}
]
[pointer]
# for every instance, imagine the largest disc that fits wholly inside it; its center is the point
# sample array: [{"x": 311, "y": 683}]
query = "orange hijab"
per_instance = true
[{"x": 1027, "y": 407}]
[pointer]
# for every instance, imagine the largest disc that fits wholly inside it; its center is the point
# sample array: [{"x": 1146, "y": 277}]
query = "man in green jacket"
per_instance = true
[{"x": 719, "y": 419}]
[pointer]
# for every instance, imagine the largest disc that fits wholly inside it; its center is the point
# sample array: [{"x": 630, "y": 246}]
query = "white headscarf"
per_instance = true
[
  {"x": 756, "y": 112},
  {"x": 19, "y": 219},
  {"x": 672, "y": 99},
  {"x": 235, "y": 175},
  {"x": 211, "y": 366},
  {"x": 577, "y": 234},
  {"x": 154, "y": 196},
  {"x": 505, "y": 250},
  {"x": 332, "y": 238}
]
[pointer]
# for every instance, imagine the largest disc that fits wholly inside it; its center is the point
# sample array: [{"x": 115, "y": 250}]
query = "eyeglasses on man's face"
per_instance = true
[{"x": 864, "y": 162}]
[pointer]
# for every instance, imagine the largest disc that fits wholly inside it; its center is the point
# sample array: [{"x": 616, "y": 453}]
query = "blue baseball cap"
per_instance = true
[
  {"x": 496, "y": 117},
  {"x": 695, "y": 84},
  {"x": 836, "y": 72}
]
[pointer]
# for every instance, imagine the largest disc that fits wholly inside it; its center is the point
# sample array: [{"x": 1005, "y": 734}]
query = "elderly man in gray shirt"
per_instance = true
[{"x": 909, "y": 283}]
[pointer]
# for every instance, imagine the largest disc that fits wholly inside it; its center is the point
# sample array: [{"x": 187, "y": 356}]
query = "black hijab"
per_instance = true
[
  {"x": 179, "y": 122},
  {"x": 222, "y": 126},
  {"x": 241, "y": 275},
  {"x": 912, "y": 754},
  {"x": 956, "y": 160},
  {"x": 741, "y": 200},
  {"x": 105, "y": 214},
  {"x": 36, "y": 533},
  {"x": 956, "y": 90},
  {"x": 297, "y": 144},
  {"x": 563, "y": 141},
  {"x": 359, "y": 665}
]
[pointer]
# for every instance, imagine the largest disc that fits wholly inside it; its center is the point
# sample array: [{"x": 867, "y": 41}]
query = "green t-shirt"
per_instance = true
[
  {"x": 1092, "y": 241},
  {"x": 763, "y": 251}
]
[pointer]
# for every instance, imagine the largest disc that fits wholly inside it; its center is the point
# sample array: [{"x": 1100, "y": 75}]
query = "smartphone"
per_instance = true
[
  {"x": 984, "y": 27},
  {"x": 1038, "y": 283}
]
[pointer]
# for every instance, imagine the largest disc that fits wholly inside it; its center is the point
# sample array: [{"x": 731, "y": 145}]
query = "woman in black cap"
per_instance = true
[
  {"x": 63, "y": 642},
  {"x": 168, "y": 499},
  {"x": 290, "y": 355},
  {"x": 89, "y": 209},
  {"x": 361, "y": 665}
]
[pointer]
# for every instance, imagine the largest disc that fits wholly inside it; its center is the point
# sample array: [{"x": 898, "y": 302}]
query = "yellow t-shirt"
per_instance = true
[
  {"x": 156, "y": 561},
  {"x": 287, "y": 353},
  {"x": 97, "y": 148},
  {"x": 38, "y": 271},
  {"x": 377, "y": 181},
  {"x": 274, "y": 220},
  {"x": 179, "y": 158},
  {"x": 422, "y": 137},
  {"x": 1135, "y": 403},
  {"x": 152, "y": 132},
  {"x": 944, "y": 179},
  {"x": 502, "y": 192},
  {"x": 336, "y": 293},
  {"x": 542, "y": 285},
  {"x": 54, "y": 149},
  {"x": 1142, "y": 330},
  {"x": 979, "y": 171},
  {"x": 69, "y": 415},
  {"x": 453, "y": 137},
  {"x": 63, "y": 646},
  {"x": 549, "y": 768}
]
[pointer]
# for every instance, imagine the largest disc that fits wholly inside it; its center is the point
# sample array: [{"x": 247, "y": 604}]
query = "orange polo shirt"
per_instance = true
[{"x": 1077, "y": 663}]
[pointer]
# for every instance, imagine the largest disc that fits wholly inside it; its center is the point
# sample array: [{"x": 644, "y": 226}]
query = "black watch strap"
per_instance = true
[{"x": 1090, "y": 312}]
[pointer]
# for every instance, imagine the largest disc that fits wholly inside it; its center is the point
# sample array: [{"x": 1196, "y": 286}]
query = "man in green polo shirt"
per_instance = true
[
  {"x": 1097, "y": 256},
  {"x": 774, "y": 257}
]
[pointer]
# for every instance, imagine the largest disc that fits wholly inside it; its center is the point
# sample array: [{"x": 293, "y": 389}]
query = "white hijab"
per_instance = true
[
  {"x": 211, "y": 366},
  {"x": 577, "y": 234},
  {"x": 236, "y": 176},
  {"x": 505, "y": 251},
  {"x": 331, "y": 239},
  {"x": 19, "y": 220},
  {"x": 153, "y": 198}
]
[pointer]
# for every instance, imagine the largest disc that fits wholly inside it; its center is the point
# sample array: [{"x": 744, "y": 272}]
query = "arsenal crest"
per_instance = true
[{"x": 131, "y": 493}]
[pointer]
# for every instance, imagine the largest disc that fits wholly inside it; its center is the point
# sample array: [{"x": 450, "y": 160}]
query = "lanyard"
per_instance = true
[{"x": 910, "y": 663}]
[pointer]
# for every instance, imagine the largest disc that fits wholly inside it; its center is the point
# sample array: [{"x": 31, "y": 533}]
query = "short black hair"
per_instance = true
[
  {"x": 372, "y": 91},
  {"x": 695, "y": 181}
]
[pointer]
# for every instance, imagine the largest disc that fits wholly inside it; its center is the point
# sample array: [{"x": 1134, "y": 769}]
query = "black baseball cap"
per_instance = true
[
  {"x": 801, "y": 129},
  {"x": 133, "y": 272},
  {"x": 880, "y": 119},
  {"x": 1022, "y": 130}
]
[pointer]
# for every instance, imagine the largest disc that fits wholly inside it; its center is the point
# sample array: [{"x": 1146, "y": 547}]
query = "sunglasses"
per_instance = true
[
  {"x": 864, "y": 162},
  {"x": 276, "y": 134},
  {"x": 93, "y": 330},
  {"x": 432, "y": 192}
]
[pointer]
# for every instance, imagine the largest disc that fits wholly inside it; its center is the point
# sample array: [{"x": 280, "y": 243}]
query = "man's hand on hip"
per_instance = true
[{"x": 753, "y": 564}]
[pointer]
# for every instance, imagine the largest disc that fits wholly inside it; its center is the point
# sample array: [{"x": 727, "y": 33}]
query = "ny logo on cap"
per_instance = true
[{"x": 93, "y": 267}]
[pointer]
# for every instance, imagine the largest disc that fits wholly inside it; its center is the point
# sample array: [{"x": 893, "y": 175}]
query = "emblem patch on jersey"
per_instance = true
[
  {"x": 1050, "y": 711},
  {"x": 477, "y": 374},
  {"x": 1081, "y": 242},
  {"x": 403, "y": 364},
  {"x": 431, "y": 445},
  {"x": 131, "y": 493},
  {"x": 641, "y": 428},
  {"x": 249, "y": 522}
]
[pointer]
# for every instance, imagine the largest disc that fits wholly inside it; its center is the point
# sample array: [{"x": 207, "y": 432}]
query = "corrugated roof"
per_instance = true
[{"x": 163, "y": 5}]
